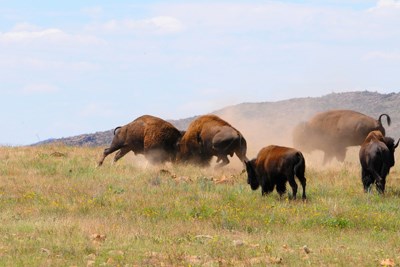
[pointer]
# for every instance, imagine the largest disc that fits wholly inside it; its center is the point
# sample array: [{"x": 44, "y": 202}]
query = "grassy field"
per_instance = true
[{"x": 58, "y": 209}]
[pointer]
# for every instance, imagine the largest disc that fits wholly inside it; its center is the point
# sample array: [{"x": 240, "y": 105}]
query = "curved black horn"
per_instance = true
[
  {"x": 397, "y": 143},
  {"x": 389, "y": 121},
  {"x": 116, "y": 129}
]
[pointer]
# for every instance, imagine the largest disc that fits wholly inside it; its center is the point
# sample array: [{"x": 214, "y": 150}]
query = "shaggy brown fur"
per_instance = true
[
  {"x": 376, "y": 158},
  {"x": 209, "y": 136},
  {"x": 155, "y": 138},
  {"x": 274, "y": 166},
  {"x": 333, "y": 131}
]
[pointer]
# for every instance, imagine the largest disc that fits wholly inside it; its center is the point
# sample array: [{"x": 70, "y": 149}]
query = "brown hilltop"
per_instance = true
[{"x": 266, "y": 123}]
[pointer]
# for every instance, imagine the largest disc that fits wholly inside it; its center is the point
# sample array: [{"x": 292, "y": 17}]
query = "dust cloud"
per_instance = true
[
  {"x": 261, "y": 130},
  {"x": 262, "y": 127}
]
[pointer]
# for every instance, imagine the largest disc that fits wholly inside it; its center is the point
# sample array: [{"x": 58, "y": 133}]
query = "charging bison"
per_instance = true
[
  {"x": 153, "y": 137},
  {"x": 376, "y": 158},
  {"x": 333, "y": 131},
  {"x": 274, "y": 166},
  {"x": 209, "y": 136}
]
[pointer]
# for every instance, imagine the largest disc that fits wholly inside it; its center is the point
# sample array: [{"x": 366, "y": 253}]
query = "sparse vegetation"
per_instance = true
[{"x": 58, "y": 209}]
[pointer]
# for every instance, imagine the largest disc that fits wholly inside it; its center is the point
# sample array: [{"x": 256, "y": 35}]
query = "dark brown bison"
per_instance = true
[
  {"x": 153, "y": 137},
  {"x": 376, "y": 158},
  {"x": 209, "y": 136},
  {"x": 274, "y": 166},
  {"x": 333, "y": 131}
]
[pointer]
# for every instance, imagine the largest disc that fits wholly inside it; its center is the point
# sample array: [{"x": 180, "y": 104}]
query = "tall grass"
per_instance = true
[{"x": 58, "y": 209}]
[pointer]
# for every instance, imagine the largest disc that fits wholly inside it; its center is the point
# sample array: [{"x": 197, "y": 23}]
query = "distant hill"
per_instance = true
[{"x": 266, "y": 123}]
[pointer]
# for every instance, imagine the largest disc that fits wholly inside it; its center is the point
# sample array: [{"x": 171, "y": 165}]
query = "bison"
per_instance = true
[
  {"x": 274, "y": 166},
  {"x": 376, "y": 158},
  {"x": 333, "y": 131},
  {"x": 209, "y": 136},
  {"x": 151, "y": 136}
]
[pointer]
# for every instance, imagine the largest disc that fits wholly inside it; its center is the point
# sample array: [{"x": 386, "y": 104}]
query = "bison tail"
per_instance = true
[
  {"x": 389, "y": 121},
  {"x": 243, "y": 149},
  {"x": 300, "y": 167},
  {"x": 115, "y": 130}
]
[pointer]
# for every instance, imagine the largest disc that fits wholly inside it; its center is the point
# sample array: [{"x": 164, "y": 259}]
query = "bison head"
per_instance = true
[
  {"x": 252, "y": 179},
  {"x": 392, "y": 147},
  {"x": 190, "y": 150}
]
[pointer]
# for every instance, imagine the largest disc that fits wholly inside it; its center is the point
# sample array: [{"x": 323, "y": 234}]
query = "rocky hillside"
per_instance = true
[{"x": 266, "y": 123}]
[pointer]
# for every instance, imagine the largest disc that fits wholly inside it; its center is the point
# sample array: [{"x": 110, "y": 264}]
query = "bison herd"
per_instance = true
[{"x": 209, "y": 135}]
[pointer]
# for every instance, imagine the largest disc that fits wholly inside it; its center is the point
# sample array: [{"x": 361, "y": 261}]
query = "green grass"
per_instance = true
[{"x": 58, "y": 209}]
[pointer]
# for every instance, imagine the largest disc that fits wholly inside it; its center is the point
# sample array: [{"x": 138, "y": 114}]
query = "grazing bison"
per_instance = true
[
  {"x": 209, "y": 136},
  {"x": 155, "y": 138},
  {"x": 333, "y": 131},
  {"x": 376, "y": 158},
  {"x": 274, "y": 166}
]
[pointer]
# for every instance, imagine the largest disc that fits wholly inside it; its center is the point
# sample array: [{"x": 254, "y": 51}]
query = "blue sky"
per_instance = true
[{"x": 73, "y": 67}]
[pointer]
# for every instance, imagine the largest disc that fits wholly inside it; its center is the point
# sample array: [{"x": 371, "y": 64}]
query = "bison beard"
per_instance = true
[
  {"x": 376, "y": 158},
  {"x": 155, "y": 138},
  {"x": 274, "y": 167}
]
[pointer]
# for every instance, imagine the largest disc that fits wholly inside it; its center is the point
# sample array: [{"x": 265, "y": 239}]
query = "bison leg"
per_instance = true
[
  {"x": 281, "y": 188},
  {"x": 380, "y": 184},
  {"x": 367, "y": 180},
  {"x": 340, "y": 154},
  {"x": 107, "y": 152},
  {"x": 266, "y": 187},
  {"x": 293, "y": 185},
  {"x": 224, "y": 159},
  {"x": 327, "y": 158},
  {"x": 303, "y": 182},
  {"x": 122, "y": 152}
]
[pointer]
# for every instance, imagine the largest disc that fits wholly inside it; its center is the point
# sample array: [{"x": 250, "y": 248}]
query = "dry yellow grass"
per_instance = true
[{"x": 58, "y": 209}]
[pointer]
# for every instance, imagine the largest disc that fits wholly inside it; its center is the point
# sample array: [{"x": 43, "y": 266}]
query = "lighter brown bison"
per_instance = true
[
  {"x": 275, "y": 166},
  {"x": 335, "y": 130},
  {"x": 209, "y": 136},
  {"x": 376, "y": 158},
  {"x": 153, "y": 137}
]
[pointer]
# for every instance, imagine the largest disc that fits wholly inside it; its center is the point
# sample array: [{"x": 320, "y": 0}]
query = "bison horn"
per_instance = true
[{"x": 397, "y": 143}]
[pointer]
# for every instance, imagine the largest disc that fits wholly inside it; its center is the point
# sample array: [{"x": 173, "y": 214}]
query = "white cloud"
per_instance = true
[
  {"x": 26, "y": 34},
  {"x": 19, "y": 36},
  {"x": 24, "y": 26},
  {"x": 39, "y": 88},
  {"x": 388, "y": 4},
  {"x": 39, "y": 64},
  {"x": 157, "y": 25},
  {"x": 382, "y": 55},
  {"x": 386, "y": 7},
  {"x": 164, "y": 24}
]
